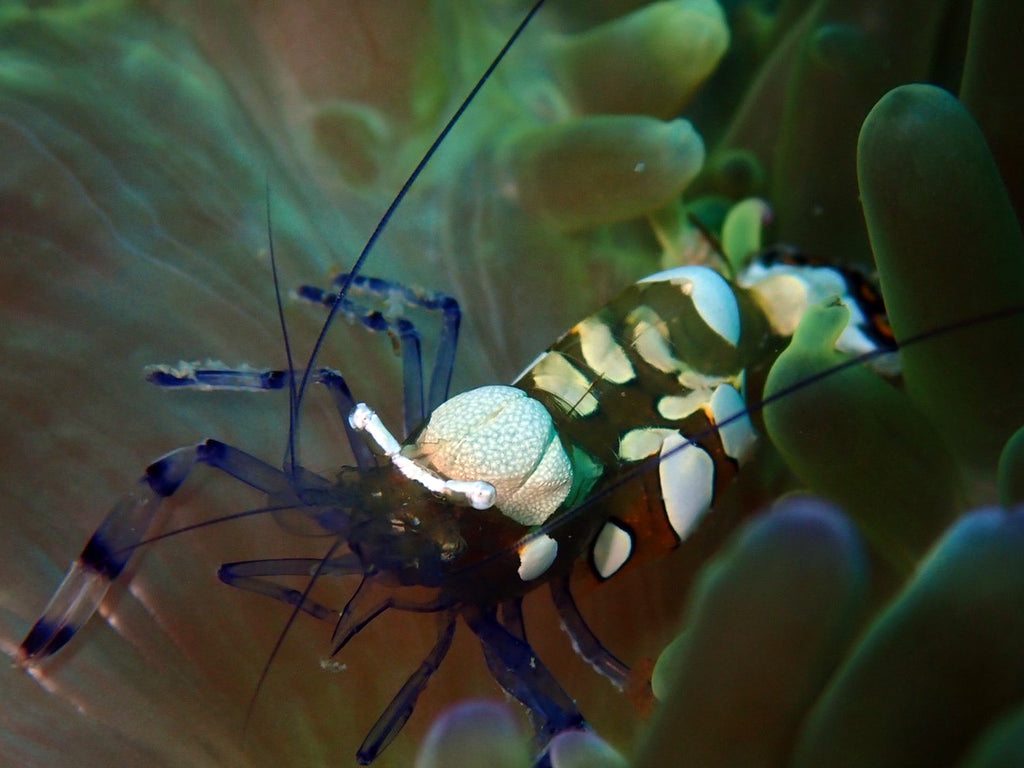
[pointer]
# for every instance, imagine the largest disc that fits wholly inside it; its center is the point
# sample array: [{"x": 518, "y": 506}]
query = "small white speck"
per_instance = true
[{"x": 640, "y": 167}]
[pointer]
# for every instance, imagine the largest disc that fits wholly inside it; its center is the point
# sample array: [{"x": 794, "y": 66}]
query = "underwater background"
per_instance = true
[{"x": 142, "y": 144}]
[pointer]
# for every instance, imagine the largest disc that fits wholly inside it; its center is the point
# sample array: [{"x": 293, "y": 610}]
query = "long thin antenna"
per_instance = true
[
  {"x": 279, "y": 643},
  {"x": 290, "y": 458},
  {"x": 378, "y": 230},
  {"x": 254, "y": 512},
  {"x": 295, "y": 397}
]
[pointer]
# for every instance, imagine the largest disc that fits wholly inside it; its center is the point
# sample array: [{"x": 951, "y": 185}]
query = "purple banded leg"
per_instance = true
[
  {"x": 247, "y": 379},
  {"x": 368, "y": 602},
  {"x": 108, "y": 550},
  {"x": 254, "y": 576},
  {"x": 393, "y": 295},
  {"x": 512, "y": 617},
  {"x": 433, "y": 301},
  {"x": 408, "y": 344},
  {"x": 399, "y": 710},
  {"x": 518, "y": 670},
  {"x": 583, "y": 638}
]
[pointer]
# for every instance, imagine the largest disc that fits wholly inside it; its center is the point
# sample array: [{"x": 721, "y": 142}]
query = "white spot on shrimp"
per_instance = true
[
  {"x": 554, "y": 374},
  {"x": 642, "y": 442},
  {"x": 650, "y": 340},
  {"x": 536, "y": 556},
  {"x": 675, "y": 407},
  {"x": 738, "y": 436},
  {"x": 712, "y": 296},
  {"x": 602, "y": 353},
  {"x": 612, "y": 549},
  {"x": 687, "y": 476}
]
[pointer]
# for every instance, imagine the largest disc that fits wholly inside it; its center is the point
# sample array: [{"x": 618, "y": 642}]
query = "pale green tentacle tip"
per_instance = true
[
  {"x": 693, "y": 35},
  {"x": 583, "y": 749},
  {"x": 599, "y": 170},
  {"x": 743, "y": 229},
  {"x": 650, "y": 61},
  {"x": 484, "y": 734},
  {"x": 843, "y": 48},
  {"x": 667, "y": 666},
  {"x": 1010, "y": 474},
  {"x": 820, "y": 328},
  {"x": 475, "y": 734}
]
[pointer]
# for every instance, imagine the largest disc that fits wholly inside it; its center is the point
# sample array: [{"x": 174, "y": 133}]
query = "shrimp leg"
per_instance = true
[
  {"x": 251, "y": 379},
  {"x": 108, "y": 550},
  {"x": 522, "y": 674},
  {"x": 253, "y": 576},
  {"x": 392, "y": 295},
  {"x": 400, "y": 709},
  {"x": 583, "y": 638}
]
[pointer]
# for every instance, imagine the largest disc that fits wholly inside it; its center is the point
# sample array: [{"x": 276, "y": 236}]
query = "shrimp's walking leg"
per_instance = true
[
  {"x": 398, "y": 711},
  {"x": 433, "y": 301},
  {"x": 518, "y": 670},
  {"x": 583, "y": 638},
  {"x": 110, "y": 547},
  {"x": 512, "y": 617},
  {"x": 251, "y": 575},
  {"x": 249, "y": 379},
  {"x": 399, "y": 328},
  {"x": 392, "y": 295}
]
